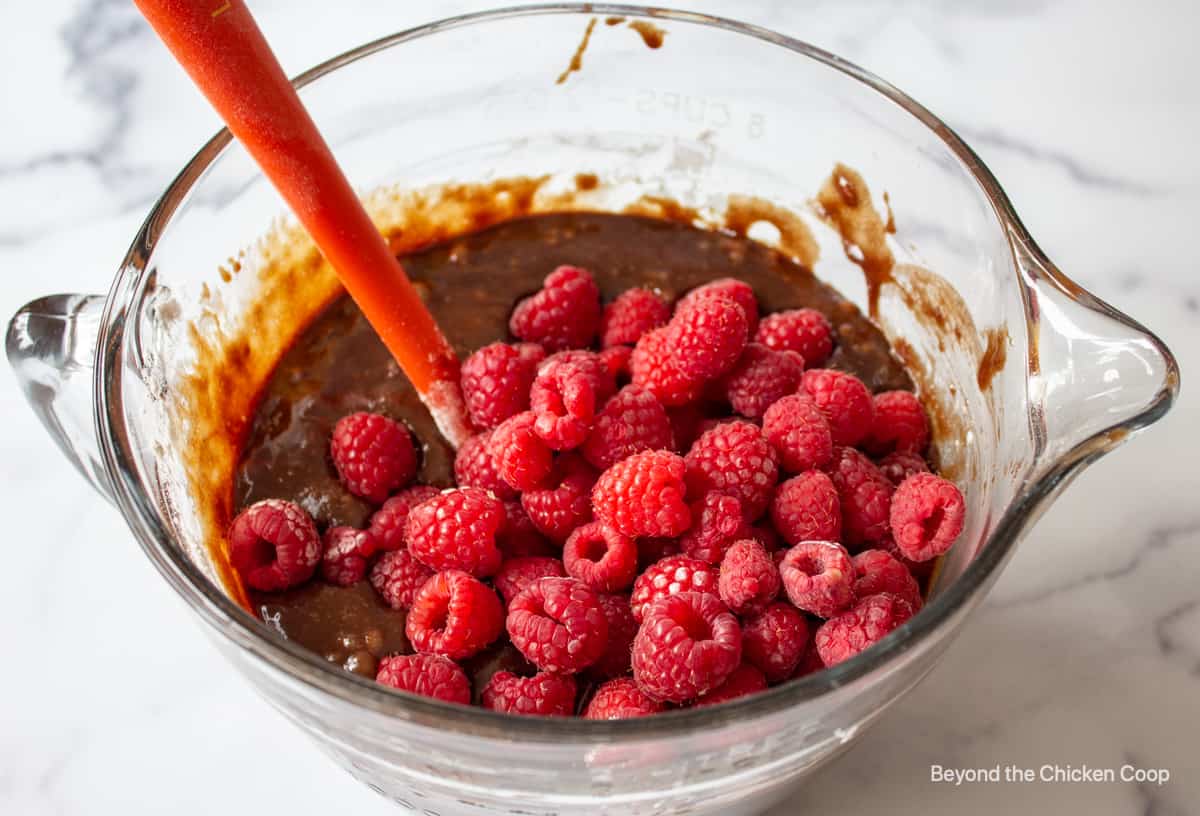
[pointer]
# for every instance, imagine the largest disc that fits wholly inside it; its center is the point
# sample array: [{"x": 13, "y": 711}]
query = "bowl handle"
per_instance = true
[{"x": 51, "y": 346}]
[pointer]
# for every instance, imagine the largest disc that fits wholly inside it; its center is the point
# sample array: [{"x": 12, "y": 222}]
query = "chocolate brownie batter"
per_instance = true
[{"x": 338, "y": 366}]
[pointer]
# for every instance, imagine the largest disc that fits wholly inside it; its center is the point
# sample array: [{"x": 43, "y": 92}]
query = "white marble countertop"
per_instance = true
[{"x": 111, "y": 701}]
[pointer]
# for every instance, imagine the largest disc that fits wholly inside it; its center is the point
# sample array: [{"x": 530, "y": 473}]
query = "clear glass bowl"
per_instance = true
[{"x": 720, "y": 109}]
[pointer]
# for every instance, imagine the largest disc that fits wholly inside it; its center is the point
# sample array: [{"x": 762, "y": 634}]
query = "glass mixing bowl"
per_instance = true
[{"x": 1028, "y": 376}]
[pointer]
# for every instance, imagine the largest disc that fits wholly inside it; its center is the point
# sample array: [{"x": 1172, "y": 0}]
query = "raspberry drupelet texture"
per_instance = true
[
  {"x": 927, "y": 515},
  {"x": 670, "y": 576},
  {"x": 744, "y": 680},
  {"x": 734, "y": 458},
  {"x": 522, "y": 458},
  {"x": 563, "y": 314},
  {"x": 736, "y": 290},
  {"x": 845, "y": 401},
  {"x": 544, "y": 694},
  {"x": 866, "y": 496},
  {"x": 807, "y": 507},
  {"x": 622, "y": 627},
  {"x": 565, "y": 502},
  {"x": 515, "y": 574},
  {"x": 900, "y": 425},
  {"x": 805, "y": 331},
  {"x": 397, "y": 576},
  {"x": 687, "y": 646},
  {"x": 878, "y": 571},
  {"x": 454, "y": 614},
  {"x": 643, "y": 495},
  {"x": 387, "y": 523},
  {"x": 762, "y": 377},
  {"x": 655, "y": 367},
  {"x": 601, "y": 557},
  {"x": 496, "y": 380},
  {"x": 373, "y": 455},
  {"x": 870, "y": 620},
  {"x": 617, "y": 359},
  {"x": 558, "y": 624},
  {"x": 818, "y": 577},
  {"x": 631, "y": 422},
  {"x": 706, "y": 337},
  {"x": 748, "y": 580},
  {"x": 569, "y": 389},
  {"x": 518, "y": 536},
  {"x": 774, "y": 642},
  {"x": 631, "y": 314},
  {"x": 273, "y": 545},
  {"x": 425, "y": 674},
  {"x": 347, "y": 551},
  {"x": 799, "y": 432},
  {"x": 897, "y": 467},
  {"x": 475, "y": 466},
  {"x": 717, "y": 522},
  {"x": 620, "y": 699},
  {"x": 457, "y": 529}
]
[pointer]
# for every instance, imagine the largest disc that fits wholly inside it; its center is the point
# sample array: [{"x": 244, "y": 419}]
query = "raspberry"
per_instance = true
[
  {"x": 373, "y": 455},
  {"x": 775, "y": 641},
  {"x": 457, "y": 530},
  {"x": 522, "y": 458},
  {"x": 454, "y": 614},
  {"x": 744, "y": 680},
  {"x": 475, "y": 466},
  {"x": 569, "y": 389},
  {"x": 620, "y": 699},
  {"x": 544, "y": 694},
  {"x": 899, "y": 466},
  {"x": 643, "y": 495},
  {"x": 685, "y": 425},
  {"x": 616, "y": 359},
  {"x": 563, "y": 314},
  {"x": 760, "y": 378},
  {"x": 601, "y": 557},
  {"x": 706, "y": 337},
  {"x": 428, "y": 675},
  {"x": 566, "y": 502},
  {"x": 805, "y": 331},
  {"x": 736, "y": 290},
  {"x": 818, "y": 577},
  {"x": 927, "y": 515},
  {"x": 807, "y": 507},
  {"x": 496, "y": 380},
  {"x": 519, "y": 536},
  {"x": 688, "y": 645},
  {"x": 654, "y": 367},
  {"x": 558, "y": 624},
  {"x": 736, "y": 459},
  {"x": 717, "y": 522},
  {"x": 622, "y": 627},
  {"x": 878, "y": 571},
  {"x": 398, "y": 576},
  {"x": 670, "y": 576},
  {"x": 387, "y": 523},
  {"x": 866, "y": 495},
  {"x": 273, "y": 545},
  {"x": 748, "y": 579},
  {"x": 844, "y": 400},
  {"x": 631, "y": 314},
  {"x": 900, "y": 425},
  {"x": 517, "y": 573},
  {"x": 765, "y": 534},
  {"x": 921, "y": 570},
  {"x": 799, "y": 432},
  {"x": 346, "y": 552},
  {"x": 870, "y": 621},
  {"x": 631, "y": 422}
]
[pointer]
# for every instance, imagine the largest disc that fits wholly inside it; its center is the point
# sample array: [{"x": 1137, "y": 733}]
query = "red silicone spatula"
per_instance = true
[{"x": 218, "y": 43}]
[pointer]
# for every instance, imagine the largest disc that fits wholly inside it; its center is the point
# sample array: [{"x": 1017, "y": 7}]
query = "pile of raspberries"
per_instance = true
[{"x": 690, "y": 513}]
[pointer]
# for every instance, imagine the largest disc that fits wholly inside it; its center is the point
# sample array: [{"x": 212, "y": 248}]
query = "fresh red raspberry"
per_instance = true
[
  {"x": 870, "y": 620},
  {"x": 654, "y": 366},
  {"x": 921, "y": 570},
  {"x": 617, "y": 360},
  {"x": 642, "y": 495},
  {"x": 765, "y": 534},
  {"x": 717, "y": 522},
  {"x": 517, "y": 573},
  {"x": 811, "y": 663},
  {"x": 898, "y": 466},
  {"x": 685, "y": 425},
  {"x": 387, "y": 523},
  {"x": 425, "y": 674},
  {"x": 601, "y": 557},
  {"x": 900, "y": 425},
  {"x": 569, "y": 390},
  {"x": 565, "y": 502},
  {"x": 744, "y": 680},
  {"x": 622, "y": 627},
  {"x": 736, "y": 459},
  {"x": 818, "y": 577},
  {"x": 736, "y": 290},
  {"x": 775, "y": 641},
  {"x": 563, "y": 314},
  {"x": 457, "y": 529},
  {"x": 475, "y": 466},
  {"x": 807, "y": 507},
  {"x": 523, "y": 459},
  {"x": 519, "y": 536},
  {"x": 544, "y": 694},
  {"x": 398, "y": 576},
  {"x": 706, "y": 337},
  {"x": 866, "y": 495},
  {"x": 558, "y": 624},
  {"x": 620, "y": 699},
  {"x": 273, "y": 545},
  {"x": 927, "y": 516},
  {"x": 631, "y": 422},
  {"x": 346, "y": 553},
  {"x": 373, "y": 455},
  {"x": 844, "y": 400},
  {"x": 688, "y": 645},
  {"x": 878, "y": 571},
  {"x": 631, "y": 314},
  {"x": 761, "y": 377},
  {"x": 799, "y": 432},
  {"x": 654, "y": 549},
  {"x": 454, "y": 614},
  {"x": 805, "y": 331},
  {"x": 496, "y": 381},
  {"x": 670, "y": 576},
  {"x": 748, "y": 579}
]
